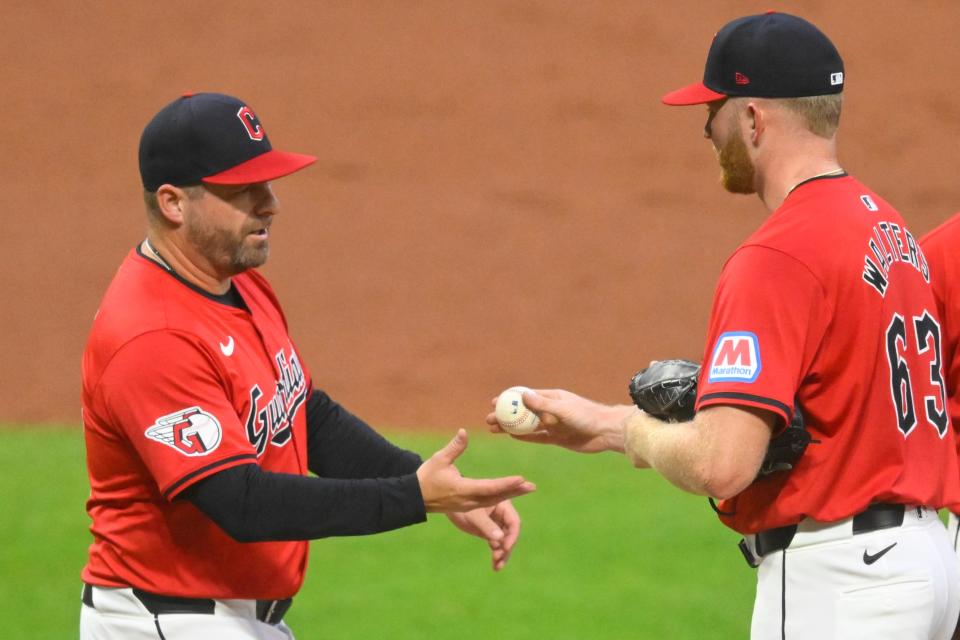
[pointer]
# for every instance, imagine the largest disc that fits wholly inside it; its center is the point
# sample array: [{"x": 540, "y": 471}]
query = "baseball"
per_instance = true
[{"x": 513, "y": 415}]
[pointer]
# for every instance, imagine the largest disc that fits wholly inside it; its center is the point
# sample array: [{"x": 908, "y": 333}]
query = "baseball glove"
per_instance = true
[
  {"x": 786, "y": 447},
  {"x": 667, "y": 389}
]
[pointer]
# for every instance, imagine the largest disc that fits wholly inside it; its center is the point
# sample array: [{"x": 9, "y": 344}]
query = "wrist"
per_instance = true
[
  {"x": 615, "y": 422},
  {"x": 426, "y": 496},
  {"x": 635, "y": 430}
]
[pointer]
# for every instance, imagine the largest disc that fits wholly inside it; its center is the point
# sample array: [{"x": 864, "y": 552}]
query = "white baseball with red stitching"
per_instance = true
[{"x": 514, "y": 417}]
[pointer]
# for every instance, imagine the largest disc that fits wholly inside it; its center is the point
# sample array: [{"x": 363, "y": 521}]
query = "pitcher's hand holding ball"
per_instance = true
[{"x": 566, "y": 420}]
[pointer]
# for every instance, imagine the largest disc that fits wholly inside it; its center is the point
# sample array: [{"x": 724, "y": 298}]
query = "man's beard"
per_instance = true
[
  {"x": 224, "y": 249},
  {"x": 737, "y": 171}
]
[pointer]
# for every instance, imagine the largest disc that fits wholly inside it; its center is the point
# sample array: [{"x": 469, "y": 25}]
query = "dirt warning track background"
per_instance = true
[{"x": 499, "y": 199}]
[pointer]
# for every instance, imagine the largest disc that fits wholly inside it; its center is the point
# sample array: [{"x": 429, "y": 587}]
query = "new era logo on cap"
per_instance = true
[
  {"x": 212, "y": 138},
  {"x": 836, "y": 78}
]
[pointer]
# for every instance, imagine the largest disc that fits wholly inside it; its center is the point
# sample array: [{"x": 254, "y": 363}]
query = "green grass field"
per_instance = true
[{"x": 606, "y": 552}]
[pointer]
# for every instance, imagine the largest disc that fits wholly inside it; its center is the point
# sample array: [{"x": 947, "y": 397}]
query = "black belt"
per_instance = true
[
  {"x": 875, "y": 517},
  {"x": 268, "y": 611}
]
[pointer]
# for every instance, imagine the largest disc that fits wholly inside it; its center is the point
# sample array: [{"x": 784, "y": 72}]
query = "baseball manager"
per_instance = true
[{"x": 202, "y": 420}]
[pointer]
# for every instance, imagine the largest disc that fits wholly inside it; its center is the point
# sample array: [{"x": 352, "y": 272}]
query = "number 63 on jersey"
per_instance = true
[{"x": 916, "y": 339}]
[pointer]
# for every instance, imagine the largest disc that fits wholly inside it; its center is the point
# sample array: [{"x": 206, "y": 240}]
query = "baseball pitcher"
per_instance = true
[{"x": 824, "y": 327}]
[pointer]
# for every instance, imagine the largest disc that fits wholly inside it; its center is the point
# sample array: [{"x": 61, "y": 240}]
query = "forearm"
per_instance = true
[
  {"x": 252, "y": 505},
  {"x": 341, "y": 445},
  {"x": 716, "y": 454},
  {"x": 672, "y": 449}
]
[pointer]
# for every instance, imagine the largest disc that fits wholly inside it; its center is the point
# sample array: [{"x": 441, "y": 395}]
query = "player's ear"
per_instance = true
[
  {"x": 170, "y": 202},
  {"x": 754, "y": 121}
]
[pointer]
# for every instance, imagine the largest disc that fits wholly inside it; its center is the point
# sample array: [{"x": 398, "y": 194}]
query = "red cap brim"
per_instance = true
[
  {"x": 267, "y": 166},
  {"x": 696, "y": 93}
]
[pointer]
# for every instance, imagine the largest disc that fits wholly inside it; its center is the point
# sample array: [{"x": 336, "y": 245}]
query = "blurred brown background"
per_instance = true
[{"x": 500, "y": 198}]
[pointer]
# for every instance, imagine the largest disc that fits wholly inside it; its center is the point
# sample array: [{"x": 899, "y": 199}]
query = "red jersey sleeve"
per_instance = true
[
  {"x": 767, "y": 320},
  {"x": 166, "y": 393}
]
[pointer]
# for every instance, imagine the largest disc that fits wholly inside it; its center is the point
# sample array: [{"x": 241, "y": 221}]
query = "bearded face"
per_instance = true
[
  {"x": 229, "y": 226},
  {"x": 737, "y": 170},
  {"x": 230, "y": 249}
]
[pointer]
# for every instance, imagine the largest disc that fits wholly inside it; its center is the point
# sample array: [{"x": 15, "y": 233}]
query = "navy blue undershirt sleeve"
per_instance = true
[
  {"x": 253, "y": 505},
  {"x": 365, "y": 485},
  {"x": 341, "y": 445}
]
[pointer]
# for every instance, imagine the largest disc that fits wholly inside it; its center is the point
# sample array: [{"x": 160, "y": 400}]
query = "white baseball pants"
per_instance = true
[
  {"x": 118, "y": 615},
  {"x": 900, "y": 583}
]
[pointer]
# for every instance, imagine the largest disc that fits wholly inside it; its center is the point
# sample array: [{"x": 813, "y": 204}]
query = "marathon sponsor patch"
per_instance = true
[
  {"x": 736, "y": 358},
  {"x": 192, "y": 432}
]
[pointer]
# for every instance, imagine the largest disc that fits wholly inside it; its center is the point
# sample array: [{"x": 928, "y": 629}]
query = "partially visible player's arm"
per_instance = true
[
  {"x": 341, "y": 445},
  {"x": 717, "y": 454}
]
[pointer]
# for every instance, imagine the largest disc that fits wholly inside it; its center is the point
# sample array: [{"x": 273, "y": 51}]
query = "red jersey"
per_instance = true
[
  {"x": 940, "y": 247},
  {"x": 178, "y": 385},
  {"x": 828, "y": 308}
]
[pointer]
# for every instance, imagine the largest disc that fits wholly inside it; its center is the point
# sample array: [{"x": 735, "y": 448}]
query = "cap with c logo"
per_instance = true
[{"x": 212, "y": 138}]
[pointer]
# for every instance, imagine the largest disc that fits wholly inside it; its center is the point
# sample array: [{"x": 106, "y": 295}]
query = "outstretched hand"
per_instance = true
[
  {"x": 445, "y": 490},
  {"x": 571, "y": 421},
  {"x": 498, "y": 525}
]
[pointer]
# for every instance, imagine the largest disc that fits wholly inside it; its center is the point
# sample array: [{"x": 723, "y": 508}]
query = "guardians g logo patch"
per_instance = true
[
  {"x": 192, "y": 432},
  {"x": 736, "y": 358}
]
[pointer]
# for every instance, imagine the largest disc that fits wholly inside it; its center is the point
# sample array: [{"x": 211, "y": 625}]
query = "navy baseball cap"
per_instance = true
[
  {"x": 212, "y": 138},
  {"x": 770, "y": 55}
]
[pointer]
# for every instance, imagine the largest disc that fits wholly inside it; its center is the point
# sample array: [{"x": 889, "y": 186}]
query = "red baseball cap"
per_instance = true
[
  {"x": 770, "y": 55},
  {"x": 212, "y": 138}
]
